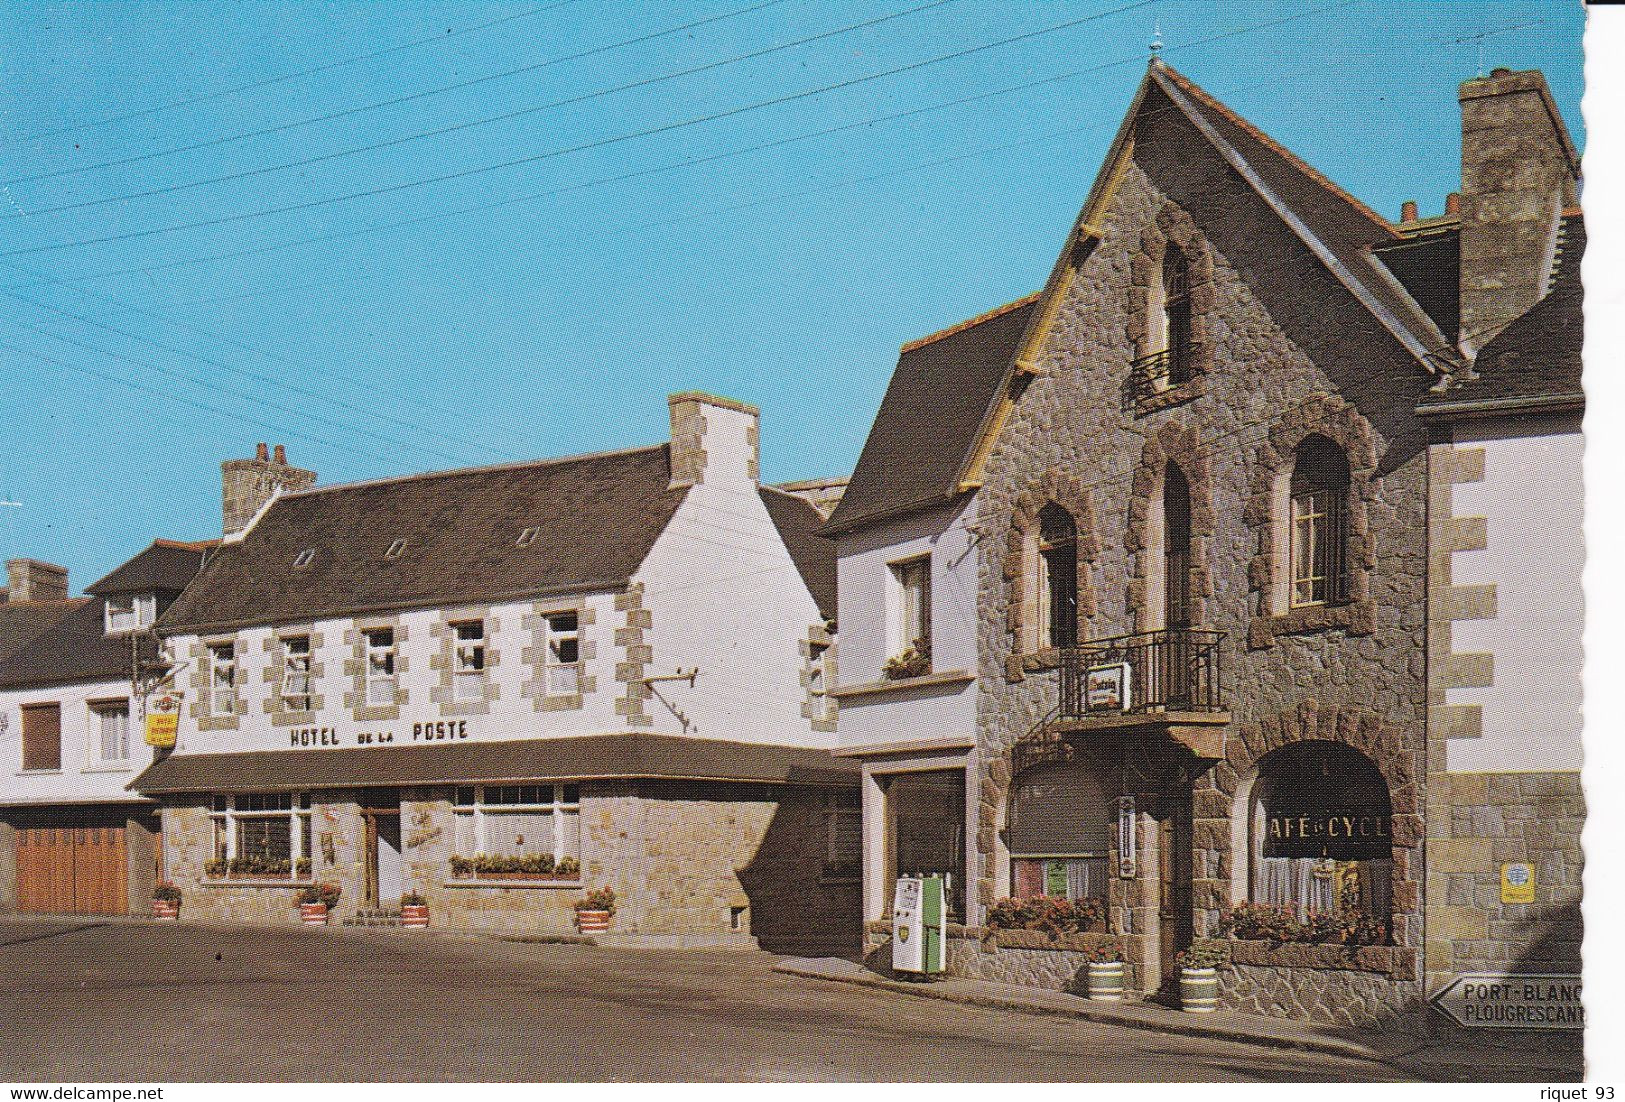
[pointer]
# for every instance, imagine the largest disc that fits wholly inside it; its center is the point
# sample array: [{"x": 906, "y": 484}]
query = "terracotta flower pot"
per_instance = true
[
  {"x": 1199, "y": 990},
  {"x": 414, "y": 917},
  {"x": 166, "y": 910},
  {"x": 1106, "y": 981},
  {"x": 592, "y": 921},
  {"x": 313, "y": 914}
]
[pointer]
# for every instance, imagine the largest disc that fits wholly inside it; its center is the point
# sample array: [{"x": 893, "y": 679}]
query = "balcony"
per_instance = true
[
  {"x": 1159, "y": 376},
  {"x": 1159, "y": 681}
]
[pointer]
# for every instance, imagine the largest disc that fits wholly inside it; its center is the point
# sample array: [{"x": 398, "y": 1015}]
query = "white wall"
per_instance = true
[
  {"x": 870, "y": 633},
  {"x": 725, "y": 597},
  {"x": 1532, "y": 497},
  {"x": 83, "y": 778}
]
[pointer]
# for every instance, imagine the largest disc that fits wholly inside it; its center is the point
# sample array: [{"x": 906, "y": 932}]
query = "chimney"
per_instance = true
[
  {"x": 32, "y": 580},
  {"x": 1452, "y": 204},
  {"x": 1519, "y": 172},
  {"x": 713, "y": 441},
  {"x": 247, "y": 484},
  {"x": 1407, "y": 211}
]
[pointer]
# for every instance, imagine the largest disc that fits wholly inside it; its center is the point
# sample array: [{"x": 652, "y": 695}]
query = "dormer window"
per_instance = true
[
  {"x": 527, "y": 536},
  {"x": 130, "y": 612},
  {"x": 395, "y": 549},
  {"x": 304, "y": 557}
]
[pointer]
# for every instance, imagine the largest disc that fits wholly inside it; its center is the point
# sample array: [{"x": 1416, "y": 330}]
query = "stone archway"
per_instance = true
[
  {"x": 1065, "y": 490},
  {"x": 1172, "y": 443}
]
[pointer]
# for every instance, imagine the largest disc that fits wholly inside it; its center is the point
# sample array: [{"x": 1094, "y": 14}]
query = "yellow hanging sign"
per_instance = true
[{"x": 161, "y": 728}]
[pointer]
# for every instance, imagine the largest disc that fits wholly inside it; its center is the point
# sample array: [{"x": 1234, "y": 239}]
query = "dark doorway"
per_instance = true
[
  {"x": 925, "y": 820},
  {"x": 383, "y": 864},
  {"x": 1175, "y": 924}
]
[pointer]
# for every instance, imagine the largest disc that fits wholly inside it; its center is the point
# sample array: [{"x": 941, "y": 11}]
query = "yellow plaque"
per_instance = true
[
  {"x": 1517, "y": 883},
  {"x": 161, "y": 728}
]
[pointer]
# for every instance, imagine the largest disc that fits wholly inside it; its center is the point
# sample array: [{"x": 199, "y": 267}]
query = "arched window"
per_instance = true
[
  {"x": 1319, "y": 523},
  {"x": 1059, "y": 832},
  {"x": 1319, "y": 832},
  {"x": 1176, "y": 314},
  {"x": 1176, "y": 548},
  {"x": 1057, "y": 567}
]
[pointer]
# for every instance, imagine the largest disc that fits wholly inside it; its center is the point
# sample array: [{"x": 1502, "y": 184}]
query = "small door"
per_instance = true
[{"x": 1174, "y": 920}]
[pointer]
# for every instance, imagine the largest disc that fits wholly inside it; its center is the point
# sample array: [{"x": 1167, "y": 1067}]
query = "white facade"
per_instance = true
[
  {"x": 1534, "y": 557},
  {"x": 97, "y": 758}
]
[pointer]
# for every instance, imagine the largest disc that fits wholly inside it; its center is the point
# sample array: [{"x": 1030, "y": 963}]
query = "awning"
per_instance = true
[{"x": 592, "y": 757}]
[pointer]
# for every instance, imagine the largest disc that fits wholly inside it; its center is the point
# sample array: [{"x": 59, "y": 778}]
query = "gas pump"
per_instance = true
[{"x": 920, "y": 925}]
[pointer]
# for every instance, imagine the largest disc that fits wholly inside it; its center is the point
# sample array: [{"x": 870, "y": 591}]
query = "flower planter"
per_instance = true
[
  {"x": 519, "y": 877},
  {"x": 414, "y": 917},
  {"x": 166, "y": 910},
  {"x": 313, "y": 914},
  {"x": 1199, "y": 990},
  {"x": 589, "y": 922},
  {"x": 1106, "y": 981}
]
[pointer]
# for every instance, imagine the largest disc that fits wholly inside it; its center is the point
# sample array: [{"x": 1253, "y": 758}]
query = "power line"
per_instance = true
[
  {"x": 340, "y": 235},
  {"x": 504, "y": 117},
  {"x": 169, "y": 396},
  {"x": 533, "y": 67},
  {"x": 596, "y": 144},
  {"x": 244, "y": 372},
  {"x": 267, "y": 82}
]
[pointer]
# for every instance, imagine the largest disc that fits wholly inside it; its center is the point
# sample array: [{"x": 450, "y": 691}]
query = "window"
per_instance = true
[
  {"x": 468, "y": 663},
  {"x": 222, "y": 678},
  {"x": 1176, "y": 548},
  {"x": 564, "y": 653},
  {"x": 42, "y": 736},
  {"x": 817, "y": 686},
  {"x": 843, "y": 826},
  {"x": 926, "y": 813},
  {"x": 1176, "y": 315},
  {"x": 1319, "y": 524},
  {"x": 527, "y": 536},
  {"x": 395, "y": 549},
  {"x": 111, "y": 723},
  {"x": 296, "y": 673},
  {"x": 519, "y": 820},
  {"x": 304, "y": 557},
  {"x": 263, "y": 834},
  {"x": 1057, "y": 578},
  {"x": 1060, "y": 824},
  {"x": 914, "y": 603},
  {"x": 380, "y": 671},
  {"x": 128, "y": 612}
]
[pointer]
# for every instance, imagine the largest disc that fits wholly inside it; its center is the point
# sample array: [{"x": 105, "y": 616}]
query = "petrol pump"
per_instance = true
[{"x": 920, "y": 926}]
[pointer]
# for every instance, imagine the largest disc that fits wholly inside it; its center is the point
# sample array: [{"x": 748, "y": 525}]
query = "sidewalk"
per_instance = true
[{"x": 1420, "y": 1057}]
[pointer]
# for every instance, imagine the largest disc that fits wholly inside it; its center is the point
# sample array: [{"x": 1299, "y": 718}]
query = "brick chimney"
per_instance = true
[
  {"x": 713, "y": 440},
  {"x": 1519, "y": 172},
  {"x": 247, "y": 484},
  {"x": 32, "y": 580}
]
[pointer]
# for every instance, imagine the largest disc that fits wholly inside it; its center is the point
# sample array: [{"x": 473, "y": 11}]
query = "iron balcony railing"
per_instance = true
[
  {"x": 1160, "y": 371},
  {"x": 1174, "y": 670}
]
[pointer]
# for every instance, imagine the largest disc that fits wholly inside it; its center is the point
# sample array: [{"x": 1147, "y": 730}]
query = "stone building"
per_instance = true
[
  {"x": 503, "y": 687},
  {"x": 1199, "y": 510},
  {"x": 73, "y": 838}
]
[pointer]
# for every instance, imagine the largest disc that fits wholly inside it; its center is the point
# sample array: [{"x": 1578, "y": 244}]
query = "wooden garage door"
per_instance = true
[{"x": 72, "y": 870}]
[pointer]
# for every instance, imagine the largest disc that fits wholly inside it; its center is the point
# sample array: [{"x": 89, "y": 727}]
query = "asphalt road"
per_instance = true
[{"x": 140, "y": 1002}]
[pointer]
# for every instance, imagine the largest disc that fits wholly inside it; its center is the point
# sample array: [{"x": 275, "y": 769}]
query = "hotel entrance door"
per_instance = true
[{"x": 383, "y": 856}]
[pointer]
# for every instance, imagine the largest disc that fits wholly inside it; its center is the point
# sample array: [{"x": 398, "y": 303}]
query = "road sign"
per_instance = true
[{"x": 1544, "y": 1001}]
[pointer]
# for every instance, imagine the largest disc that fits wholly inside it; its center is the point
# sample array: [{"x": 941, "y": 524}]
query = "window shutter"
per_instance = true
[
  {"x": 1060, "y": 809},
  {"x": 42, "y": 736}
]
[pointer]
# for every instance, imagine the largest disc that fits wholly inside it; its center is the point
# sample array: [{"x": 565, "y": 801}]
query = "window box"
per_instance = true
[{"x": 512, "y": 880}]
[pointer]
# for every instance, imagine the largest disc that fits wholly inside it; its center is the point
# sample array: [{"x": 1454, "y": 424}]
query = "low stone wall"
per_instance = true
[
  {"x": 1029, "y": 958},
  {"x": 1370, "y": 987}
]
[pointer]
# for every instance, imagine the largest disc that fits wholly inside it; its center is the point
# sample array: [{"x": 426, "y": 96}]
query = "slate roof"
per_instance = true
[
  {"x": 585, "y": 757},
  {"x": 21, "y": 622},
  {"x": 76, "y": 647},
  {"x": 165, "y": 567},
  {"x": 1537, "y": 356},
  {"x": 940, "y": 391},
  {"x": 597, "y": 516},
  {"x": 798, "y": 521}
]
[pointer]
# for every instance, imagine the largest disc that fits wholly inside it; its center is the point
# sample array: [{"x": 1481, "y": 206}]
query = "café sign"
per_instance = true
[
  {"x": 1346, "y": 834},
  {"x": 1544, "y": 1001}
]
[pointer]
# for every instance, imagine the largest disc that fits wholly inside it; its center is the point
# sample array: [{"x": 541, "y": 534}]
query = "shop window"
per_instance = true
[
  {"x": 926, "y": 813},
  {"x": 111, "y": 724},
  {"x": 296, "y": 673},
  {"x": 222, "y": 679},
  {"x": 564, "y": 653},
  {"x": 1319, "y": 523},
  {"x": 380, "y": 667},
  {"x": 519, "y": 820},
  {"x": 1059, "y": 833},
  {"x": 1057, "y": 578},
  {"x": 468, "y": 673},
  {"x": 1319, "y": 832},
  {"x": 42, "y": 736},
  {"x": 843, "y": 830},
  {"x": 261, "y": 834}
]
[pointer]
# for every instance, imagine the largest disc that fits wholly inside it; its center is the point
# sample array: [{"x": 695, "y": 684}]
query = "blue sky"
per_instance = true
[{"x": 544, "y": 326}]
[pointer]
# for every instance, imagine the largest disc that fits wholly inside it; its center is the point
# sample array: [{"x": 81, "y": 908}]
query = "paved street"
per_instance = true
[{"x": 128, "y": 1001}]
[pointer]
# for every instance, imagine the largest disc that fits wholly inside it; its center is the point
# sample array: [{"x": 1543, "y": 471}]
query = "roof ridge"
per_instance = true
[
  {"x": 188, "y": 545},
  {"x": 971, "y": 323},
  {"x": 312, "y": 491},
  {"x": 1292, "y": 158}
]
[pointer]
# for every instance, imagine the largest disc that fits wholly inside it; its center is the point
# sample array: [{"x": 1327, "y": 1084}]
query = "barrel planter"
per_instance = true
[
  {"x": 1106, "y": 981},
  {"x": 313, "y": 914},
  {"x": 166, "y": 910},
  {"x": 414, "y": 917},
  {"x": 592, "y": 922},
  {"x": 1199, "y": 990}
]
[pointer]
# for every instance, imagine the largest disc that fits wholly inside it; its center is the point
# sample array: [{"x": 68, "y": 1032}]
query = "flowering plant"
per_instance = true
[
  {"x": 326, "y": 893},
  {"x": 1269, "y": 922},
  {"x": 1053, "y": 915},
  {"x": 413, "y": 899},
  {"x": 1106, "y": 952},
  {"x": 167, "y": 891},
  {"x": 599, "y": 899},
  {"x": 1205, "y": 956},
  {"x": 915, "y": 661}
]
